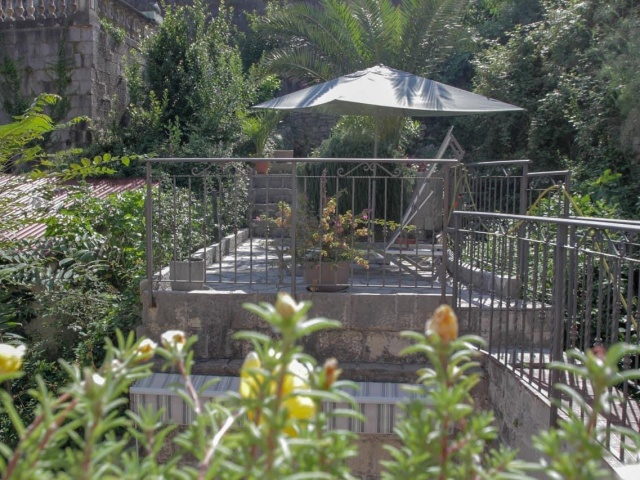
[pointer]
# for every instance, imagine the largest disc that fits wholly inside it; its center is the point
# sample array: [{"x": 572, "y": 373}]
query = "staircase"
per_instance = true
[{"x": 266, "y": 192}]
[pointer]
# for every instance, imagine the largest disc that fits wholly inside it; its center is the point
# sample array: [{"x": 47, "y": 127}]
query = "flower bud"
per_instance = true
[
  {"x": 286, "y": 306},
  {"x": 331, "y": 372},
  {"x": 444, "y": 322}
]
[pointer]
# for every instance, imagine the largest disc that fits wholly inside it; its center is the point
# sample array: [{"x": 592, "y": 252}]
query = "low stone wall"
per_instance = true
[
  {"x": 370, "y": 335},
  {"x": 371, "y": 323},
  {"x": 502, "y": 285}
]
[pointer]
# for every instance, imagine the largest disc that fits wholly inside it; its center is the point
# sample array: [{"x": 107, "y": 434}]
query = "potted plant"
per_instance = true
[
  {"x": 259, "y": 127},
  {"x": 327, "y": 244},
  {"x": 408, "y": 237}
]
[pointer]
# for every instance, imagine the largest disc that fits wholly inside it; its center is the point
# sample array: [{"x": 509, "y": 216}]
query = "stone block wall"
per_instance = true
[
  {"x": 77, "y": 52},
  {"x": 370, "y": 334}
]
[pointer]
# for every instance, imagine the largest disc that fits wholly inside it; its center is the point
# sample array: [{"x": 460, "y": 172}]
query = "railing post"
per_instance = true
[
  {"x": 558, "y": 314},
  {"x": 457, "y": 227},
  {"x": 523, "y": 245},
  {"x": 445, "y": 225},
  {"x": 294, "y": 225},
  {"x": 148, "y": 204}
]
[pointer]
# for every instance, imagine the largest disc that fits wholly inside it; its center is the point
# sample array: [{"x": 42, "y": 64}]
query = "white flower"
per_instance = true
[
  {"x": 173, "y": 339},
  {"x": 97, "y": 379}
]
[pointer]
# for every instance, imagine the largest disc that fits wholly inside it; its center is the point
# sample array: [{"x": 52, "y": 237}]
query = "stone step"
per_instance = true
[
  {"x": 280, "y": 168},
  {"x": 271, "y": 195},
  {"x": 262, "y": 230},
  {"x": 270, "y": 209},
  {"x": 272, "y": 181}
]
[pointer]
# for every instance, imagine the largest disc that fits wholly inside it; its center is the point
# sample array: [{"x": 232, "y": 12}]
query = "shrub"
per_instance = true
[{"x": 274, "y": 427}]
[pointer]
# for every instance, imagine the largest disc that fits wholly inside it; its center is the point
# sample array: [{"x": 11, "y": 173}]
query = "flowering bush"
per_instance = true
[
  {"x": 275, "y": 426},
  {"x": 334, "y": 239},
  {"x": 329, "y": 237}
]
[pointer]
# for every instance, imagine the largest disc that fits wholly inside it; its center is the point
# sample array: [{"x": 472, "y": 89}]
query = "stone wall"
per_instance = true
[
  {"x": 76, "y": 55},
  {"x": 303, "y": 132},
  {"x": 368, "y": 345},
  {"x": 370, "y": 335}
]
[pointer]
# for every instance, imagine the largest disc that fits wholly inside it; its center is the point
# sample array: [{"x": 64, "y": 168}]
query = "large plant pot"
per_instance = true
[
  {"x": 406, "y": 242},
  {"x": 326, "y": 276},
  {"x": 262, "y": 167},
  {"x": 187, "y": 275}
]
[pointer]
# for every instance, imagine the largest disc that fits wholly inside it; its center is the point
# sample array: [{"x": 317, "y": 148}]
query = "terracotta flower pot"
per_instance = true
[
  {"x": 327, "y": 277},
  {"x": 405, "y": 242},
  {"x": 262, "y": 167}
]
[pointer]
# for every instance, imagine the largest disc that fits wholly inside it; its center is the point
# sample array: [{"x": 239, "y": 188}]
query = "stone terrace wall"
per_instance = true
[{"x": 66, "y": 44}]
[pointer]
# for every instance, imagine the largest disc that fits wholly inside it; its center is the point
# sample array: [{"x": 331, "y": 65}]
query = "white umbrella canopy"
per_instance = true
[{"x": 384, "y": 91}]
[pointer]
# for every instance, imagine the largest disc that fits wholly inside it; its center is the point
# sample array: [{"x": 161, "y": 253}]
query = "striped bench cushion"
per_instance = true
[{"x": 377, "y": 401}]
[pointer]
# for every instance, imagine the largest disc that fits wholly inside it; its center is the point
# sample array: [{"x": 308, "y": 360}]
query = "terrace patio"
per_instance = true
[{"x": 521, "y": 272}]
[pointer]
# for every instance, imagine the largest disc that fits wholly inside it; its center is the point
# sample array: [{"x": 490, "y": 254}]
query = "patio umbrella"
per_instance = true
[{"x": 382, "y": 91}]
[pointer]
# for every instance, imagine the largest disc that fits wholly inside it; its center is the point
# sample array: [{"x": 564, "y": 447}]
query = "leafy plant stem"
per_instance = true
[
  {"x": 197, "y": 408},
  {"x": 32, "y": 428},
  {"x": 271, "y": 440},
  {"x": 206, "y": 461},
  {"x": 91, "y": 441}
]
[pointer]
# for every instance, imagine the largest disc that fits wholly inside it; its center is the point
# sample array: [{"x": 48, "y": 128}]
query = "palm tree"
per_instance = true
[
  {"x": 317, "y": 42},
  {"x": 314, "y": 43}
]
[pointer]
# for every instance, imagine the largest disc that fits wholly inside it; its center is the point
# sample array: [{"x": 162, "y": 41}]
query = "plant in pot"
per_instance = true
[
  {"x": 259, "y": 128},
  {"x": 329, "y": 245}
]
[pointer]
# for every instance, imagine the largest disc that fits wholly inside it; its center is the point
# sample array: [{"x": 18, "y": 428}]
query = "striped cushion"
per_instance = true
[{"x": 377, "y": 401}]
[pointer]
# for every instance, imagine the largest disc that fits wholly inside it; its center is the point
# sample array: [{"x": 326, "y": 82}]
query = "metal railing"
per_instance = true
[
  {"x": 577, "y": 285},
  {"x": 540, "y": 282},
  {"x": 260, "y": 230}
]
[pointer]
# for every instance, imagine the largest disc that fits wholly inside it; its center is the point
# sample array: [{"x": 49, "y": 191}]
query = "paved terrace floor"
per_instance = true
[
  {"x": 261, "y": 266},
  {"x": 264, "y": 266}
]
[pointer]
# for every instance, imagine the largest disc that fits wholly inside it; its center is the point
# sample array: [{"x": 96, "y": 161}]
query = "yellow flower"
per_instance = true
[
  {"x": 296, "y": 380},
  {"x": 444, "y": 322},
  {"x": 173, "y": 339},
  {"x": 298, "y": 406},
  {"x": 249, "y": 380},
  {"x": 10, "y": 358},
  {"x": 146, "y": 349}
]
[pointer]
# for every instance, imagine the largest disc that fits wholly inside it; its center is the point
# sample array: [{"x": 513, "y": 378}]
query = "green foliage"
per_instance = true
[
  {"x": 188, "y": 89},
  {"x": 572, "y": 72},
  {"x": 253, "y": 435},
  {"x": 259, "y": 127},
  {"x": 493, "y": 19},
  {"x": 20, "y": 141},
  {"x": 117, "y": 33},
  {"x": 274, "y": 427},
  {"x": 443, "y": 434},
  {"x": 319, "y": 42},
  {"x": 574, "y": 448},
  {"x": 10, "y": 85},
  {"x": 69, "y": 291}
]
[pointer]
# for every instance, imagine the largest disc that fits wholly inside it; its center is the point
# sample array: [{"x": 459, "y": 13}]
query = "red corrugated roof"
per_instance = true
[{"x": 22, "y": 196}]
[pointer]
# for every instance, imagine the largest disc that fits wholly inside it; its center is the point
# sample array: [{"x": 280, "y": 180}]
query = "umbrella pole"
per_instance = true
[
  {"x": 375, "y": 139},
  {"x": 373, "y": 186}
]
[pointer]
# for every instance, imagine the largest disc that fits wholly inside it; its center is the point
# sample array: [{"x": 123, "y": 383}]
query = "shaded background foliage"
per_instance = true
[{"x": 574, "y": 65}]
